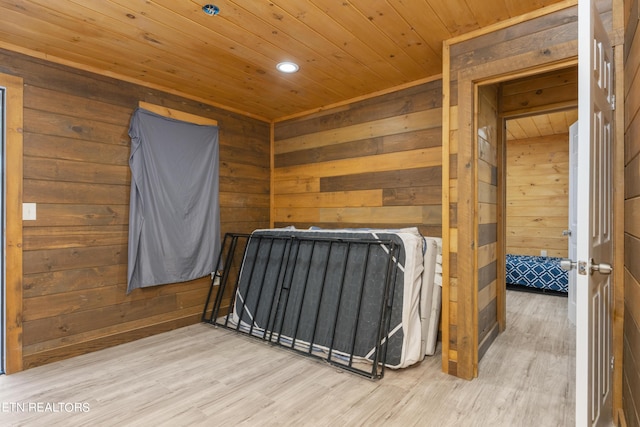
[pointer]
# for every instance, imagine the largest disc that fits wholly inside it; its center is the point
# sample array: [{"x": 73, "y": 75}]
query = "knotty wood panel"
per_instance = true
[
  {"x": 375, "y": 162},
  {"x": 537, "y": 190},
  {"x": 631, "y": 329},
  {"x": 552, "y": 90},
  {"x": 545, "y": 41},
  {"x": 76, "y": 151}
]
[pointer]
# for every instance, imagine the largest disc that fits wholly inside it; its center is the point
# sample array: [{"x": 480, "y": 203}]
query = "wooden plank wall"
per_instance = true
[
  {"x": 631, "y": 352},
  {"x": 76, "y": 151},
  {"x": 533, "y": 41},
  {"x": 489, "y": 155},
  {"x": 537, "y": 195},
  {"x": 370, "y": 163}
]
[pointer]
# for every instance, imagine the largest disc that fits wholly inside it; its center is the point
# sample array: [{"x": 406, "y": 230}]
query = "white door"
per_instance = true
[
  {"x": 573, "y": 216},
  {"x": 594, "y": 221}
]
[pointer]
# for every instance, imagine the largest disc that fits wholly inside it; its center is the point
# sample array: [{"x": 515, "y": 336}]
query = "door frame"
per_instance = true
[
  {"x": 13, "y": 217},
  {"x": 469, "y": 82},
  {"x": 460, "y": 145}
]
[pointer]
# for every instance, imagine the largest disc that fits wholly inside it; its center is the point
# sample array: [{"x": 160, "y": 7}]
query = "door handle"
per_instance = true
[
  {"x": 567, "y": 265},
  {"x": 602, "y": 268}
]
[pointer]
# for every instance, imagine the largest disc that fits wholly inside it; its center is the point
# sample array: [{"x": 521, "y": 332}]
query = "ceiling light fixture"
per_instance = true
[
  {"x": 211, "y": 9},
  {"x": 288, "y": 67}
]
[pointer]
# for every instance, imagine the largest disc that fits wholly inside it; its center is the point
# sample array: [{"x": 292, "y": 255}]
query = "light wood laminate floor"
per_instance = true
[{"x": 200, "y": 375}]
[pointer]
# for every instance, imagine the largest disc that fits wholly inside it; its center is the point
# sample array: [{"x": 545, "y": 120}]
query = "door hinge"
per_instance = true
[
  {"x": 613, "y": 361},
  {"x": 613, "y": 103}
]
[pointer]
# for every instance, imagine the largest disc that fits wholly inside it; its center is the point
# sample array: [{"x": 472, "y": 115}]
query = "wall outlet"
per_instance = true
[
  {"x": 543, "y": 252},
  {"x": 28, "y": 211}
]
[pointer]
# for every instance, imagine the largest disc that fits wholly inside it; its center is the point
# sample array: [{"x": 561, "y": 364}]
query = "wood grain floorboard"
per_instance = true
[{"x": 200, "y": 375}]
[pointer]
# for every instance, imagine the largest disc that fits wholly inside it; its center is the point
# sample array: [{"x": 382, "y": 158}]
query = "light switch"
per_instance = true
[{"x": 29, "y": 211}]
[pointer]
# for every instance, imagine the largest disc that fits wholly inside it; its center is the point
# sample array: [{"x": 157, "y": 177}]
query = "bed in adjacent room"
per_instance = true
[{"x": 537, "y": 273}]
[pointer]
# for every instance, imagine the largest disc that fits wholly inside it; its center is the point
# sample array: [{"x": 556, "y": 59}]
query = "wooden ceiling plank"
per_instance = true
[
  {"x": 351, "y": 18},
  {"x": 292, "y": 91},
  {"x": 210, "y": 55},
  {"x": 558, "y": 122},
  {"x": 488, "y": 13},
  {"x": 348, "y": 49},
  {"x": 183, "y": 78},
  {"x": 571, "y": 116},
  {"x": 161, "y": 85},
  {"x": 455, "y": 15},
  {"x": 423, "y": 21},
  {"x": 246, "y": 30},
  {"x": 515, "y": 129},
  {"x": 528, "y": 125},
  {"x": 104, "y": 47},
  {"x": 183, "y": 43},
  {"x": 543, "y": 124},
  {"x": 324, "y": 25},
  {"x": 389, "y": 22},
  {"x": 561, "y": 120},
  {"x": 286, "y": 30},
  {"x": 103, "y": 67},
  {"x": 191, "y": 84}
]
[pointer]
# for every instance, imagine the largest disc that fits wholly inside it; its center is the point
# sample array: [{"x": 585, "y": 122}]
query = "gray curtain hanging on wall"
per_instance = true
[{"x": 174, "y": 215}]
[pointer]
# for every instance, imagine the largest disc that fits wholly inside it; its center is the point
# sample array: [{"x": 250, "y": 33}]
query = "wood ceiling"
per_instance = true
[
  {"x": 345, "y": 48},
  {"x": 541, "y": 125}
]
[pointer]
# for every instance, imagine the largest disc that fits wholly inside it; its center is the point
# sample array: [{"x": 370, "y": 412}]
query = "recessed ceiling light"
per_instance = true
[
  {"x": 287, "y": 67},
  {"x": 211, "y": 9}
]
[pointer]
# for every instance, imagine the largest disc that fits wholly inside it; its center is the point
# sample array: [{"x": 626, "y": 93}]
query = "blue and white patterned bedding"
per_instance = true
[{"x": 537, "y": 272}]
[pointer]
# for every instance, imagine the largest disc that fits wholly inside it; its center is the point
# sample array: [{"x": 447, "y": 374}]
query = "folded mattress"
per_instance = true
[
  {"x": 329, "y": 293},
  {"x": 431, "y": 294}
]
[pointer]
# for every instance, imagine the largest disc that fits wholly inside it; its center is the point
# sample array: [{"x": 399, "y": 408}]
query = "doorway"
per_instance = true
[
  {"x": 539, "y": 107},
  {"x": 531, "y": 174},
  {"x": 536, "y": 238},
  {"x": 537, "y": 112},
  {"x": 516, "y": 50},
  {"x": 537, "y": 193}
]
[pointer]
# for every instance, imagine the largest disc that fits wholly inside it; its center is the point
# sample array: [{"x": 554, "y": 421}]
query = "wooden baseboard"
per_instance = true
[{"x": 61, "y": 353}]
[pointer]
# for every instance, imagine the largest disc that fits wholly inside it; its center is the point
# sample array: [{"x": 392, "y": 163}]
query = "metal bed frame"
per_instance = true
[{"x": 289, "y": 256}]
